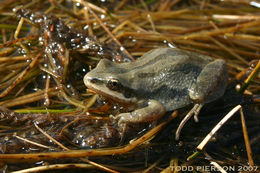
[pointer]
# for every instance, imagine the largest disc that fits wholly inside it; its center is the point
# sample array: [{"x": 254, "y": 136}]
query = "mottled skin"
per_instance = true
[{"x": 163, "y": 79}]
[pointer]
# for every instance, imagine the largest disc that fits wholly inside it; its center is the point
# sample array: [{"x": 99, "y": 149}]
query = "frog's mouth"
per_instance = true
[{"x": 110, "y": 94}]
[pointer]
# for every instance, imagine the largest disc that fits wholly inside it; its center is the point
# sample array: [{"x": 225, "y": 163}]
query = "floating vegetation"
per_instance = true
[{"x": 49, "y": 122}]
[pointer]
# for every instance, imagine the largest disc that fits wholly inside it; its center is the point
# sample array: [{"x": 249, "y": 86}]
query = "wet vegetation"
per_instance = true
[{"x": 50, "y": 121}]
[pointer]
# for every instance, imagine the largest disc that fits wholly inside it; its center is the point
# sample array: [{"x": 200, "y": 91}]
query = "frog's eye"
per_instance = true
[{"x": 113, "y": 84}]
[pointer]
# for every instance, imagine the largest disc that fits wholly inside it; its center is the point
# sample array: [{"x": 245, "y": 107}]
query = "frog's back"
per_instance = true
[{"x": 166, "y": 75}]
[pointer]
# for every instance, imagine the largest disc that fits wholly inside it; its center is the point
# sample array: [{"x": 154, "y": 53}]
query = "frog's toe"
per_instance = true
[
  {"x": 112, "y": 117},
  {"x": 123, "y": 119},
  {"x": 197, "y": 111},
  {"x": 115, "y": 119},
  {"x": 194, "y": 111},
  {"x": 120, "y": 119}
]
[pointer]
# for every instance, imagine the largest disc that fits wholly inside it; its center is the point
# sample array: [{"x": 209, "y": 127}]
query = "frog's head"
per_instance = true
[{"x": 107, "y": 79}]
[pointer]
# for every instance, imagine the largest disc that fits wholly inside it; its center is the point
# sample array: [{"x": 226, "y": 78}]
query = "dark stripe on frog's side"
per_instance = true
[
  {"x": 145, "y": 75},
  {"x": 175, "y": 98},
  {"x": 173, "y": 92},
  {"x": 185, "y": 71}
]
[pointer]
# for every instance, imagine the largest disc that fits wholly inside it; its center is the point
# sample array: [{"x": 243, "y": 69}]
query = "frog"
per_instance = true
[{"x": 162, "y": 80}]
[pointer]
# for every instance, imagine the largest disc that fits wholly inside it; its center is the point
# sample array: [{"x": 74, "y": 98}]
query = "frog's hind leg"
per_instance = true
[
  {"x": 210, "y": 83},
  {"x": 194, "y": 111}
]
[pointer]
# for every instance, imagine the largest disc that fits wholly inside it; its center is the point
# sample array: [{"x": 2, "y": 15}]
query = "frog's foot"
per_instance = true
[
  {"x": 194, "y": 111},
  {"x": 122, "y": 126},
  {"x": 118, "y": 118}
]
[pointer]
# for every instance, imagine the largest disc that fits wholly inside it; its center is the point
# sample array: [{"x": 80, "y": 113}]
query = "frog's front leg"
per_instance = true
[
  {"x": 209, "y": 85},
  {"x": 151, "y": 112}
]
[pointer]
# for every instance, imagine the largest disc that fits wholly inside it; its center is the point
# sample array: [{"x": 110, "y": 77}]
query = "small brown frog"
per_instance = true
[{"x": 163, "y": 79}]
